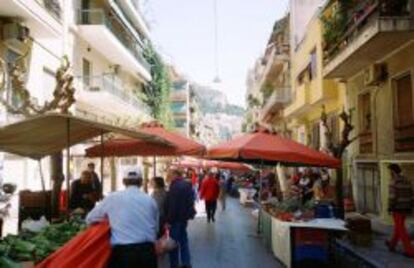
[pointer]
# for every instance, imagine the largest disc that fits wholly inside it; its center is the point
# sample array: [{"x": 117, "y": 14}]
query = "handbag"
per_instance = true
[{"x": 165, "y": 244}]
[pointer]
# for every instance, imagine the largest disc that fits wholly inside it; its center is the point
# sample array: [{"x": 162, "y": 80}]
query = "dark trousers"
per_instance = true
[
  {"x": 181, "y": 255},
  {"x": 211, "y": 207},
  {"x": 133, "y": 255}
]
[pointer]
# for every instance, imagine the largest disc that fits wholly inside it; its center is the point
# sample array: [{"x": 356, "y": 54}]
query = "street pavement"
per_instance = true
[{"x": 230, "y": 242}]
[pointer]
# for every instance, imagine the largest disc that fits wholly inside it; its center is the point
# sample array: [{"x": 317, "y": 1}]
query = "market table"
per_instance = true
[
  {"x": 265, "y": 220},
  {"x": 295, "y": 241}
]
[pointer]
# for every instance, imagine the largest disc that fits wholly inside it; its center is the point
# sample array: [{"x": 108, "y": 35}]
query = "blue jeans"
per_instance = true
[{"x": 178, "y": 232}]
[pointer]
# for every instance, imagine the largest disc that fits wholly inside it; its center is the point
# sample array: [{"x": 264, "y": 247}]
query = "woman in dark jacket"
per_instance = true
[{"x": 160, "y": 194}]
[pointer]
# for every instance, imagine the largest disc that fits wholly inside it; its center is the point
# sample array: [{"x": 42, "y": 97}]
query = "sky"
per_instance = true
[{"x": 183, "y": 31}]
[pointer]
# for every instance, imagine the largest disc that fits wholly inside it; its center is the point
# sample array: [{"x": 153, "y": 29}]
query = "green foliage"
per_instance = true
[{"x": 157, "y": 92}]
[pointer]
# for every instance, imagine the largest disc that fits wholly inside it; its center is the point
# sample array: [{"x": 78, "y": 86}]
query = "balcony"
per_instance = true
[
  {"x": 108, "y": 94},
  {"x": 42, "y": 16},
  {"x": 274, "y": 64},
  {"x": 110, "y": 37},
  {"x": 374, "y": 29},
  {"x": 300, "y": 101},
  {"x": 277, "y": 101},
  {"x": 132, "y": 10}
]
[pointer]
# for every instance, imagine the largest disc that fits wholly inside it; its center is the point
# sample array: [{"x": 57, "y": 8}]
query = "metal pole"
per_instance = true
[
  {"x": 42, "y": 177},
  {"x": 68, "y": 161},
  {"x": 260, "y": 194},
  {"x": 154, "y": 163},
  {"x": 102, "y": 163}
]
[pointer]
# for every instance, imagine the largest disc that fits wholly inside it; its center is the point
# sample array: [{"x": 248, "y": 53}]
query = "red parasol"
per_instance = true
[
  {"x": 135, "y": 147},
  {"x": 263, "y": 147},
  {"x": 198, "y": 163}
]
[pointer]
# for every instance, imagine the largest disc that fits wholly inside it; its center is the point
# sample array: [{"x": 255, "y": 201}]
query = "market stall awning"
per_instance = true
[
  {"x": 44, "y": 135},
  {"x": 136, "y": 147},
  {"x": 199, "y": 163},
  {"x": 263, "y": 147}
]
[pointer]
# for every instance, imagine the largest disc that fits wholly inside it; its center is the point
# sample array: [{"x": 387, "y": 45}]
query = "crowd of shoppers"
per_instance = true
[{"x": 137, "y": 219}]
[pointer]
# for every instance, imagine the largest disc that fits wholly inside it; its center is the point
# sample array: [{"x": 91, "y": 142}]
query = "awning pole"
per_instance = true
[
  {"x": 260, "y": 195},
  {"x": 68, "y": 161},
  {"x": 42, "y": 177},
  {"x": 154, "y": 163},
  {"x": 102, "y": 163}
]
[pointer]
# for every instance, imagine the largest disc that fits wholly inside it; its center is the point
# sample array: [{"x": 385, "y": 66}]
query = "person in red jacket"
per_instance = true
[{"x": 210, "y": 190}]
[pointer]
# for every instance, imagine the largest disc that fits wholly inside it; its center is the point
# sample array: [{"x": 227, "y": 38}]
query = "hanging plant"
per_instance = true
[{"x": 157, "y": 92}]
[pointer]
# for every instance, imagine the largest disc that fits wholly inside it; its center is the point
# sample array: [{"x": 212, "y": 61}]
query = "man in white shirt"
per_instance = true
[{"x": 133, "y": 218}]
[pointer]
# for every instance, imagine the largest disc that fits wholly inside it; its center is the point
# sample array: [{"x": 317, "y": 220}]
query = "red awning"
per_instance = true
[
  {"x": 198, "y": 163},
  {"x": 135, "y": 147},
  {"x": 264, "y": 147}
]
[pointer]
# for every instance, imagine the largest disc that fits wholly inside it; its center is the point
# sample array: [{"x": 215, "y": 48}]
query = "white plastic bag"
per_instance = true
[
  {"x": 35, "y": 226},
  {"x": 165, "y": 244}
]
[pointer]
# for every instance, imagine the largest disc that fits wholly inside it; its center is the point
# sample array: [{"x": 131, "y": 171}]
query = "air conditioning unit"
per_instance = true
[
  {"x": 94, "y": 89},
  {"x": 375, "y": 74},
  {"x": 14, "y": 36}
]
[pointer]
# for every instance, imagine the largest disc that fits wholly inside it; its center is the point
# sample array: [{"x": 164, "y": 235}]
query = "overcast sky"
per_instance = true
[{"x": 183, "y": 31}]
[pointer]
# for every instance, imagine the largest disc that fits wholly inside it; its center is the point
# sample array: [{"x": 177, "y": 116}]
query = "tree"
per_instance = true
[
  {"x": 338, "y": 148},
  {"x": 63, "y": 99}
]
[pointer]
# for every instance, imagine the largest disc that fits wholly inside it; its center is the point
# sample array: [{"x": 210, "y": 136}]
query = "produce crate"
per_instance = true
[
  {"x": 360, "y": 239},
  {"x": 34, "y": 205},
  {"x": 308, "y": 236}
]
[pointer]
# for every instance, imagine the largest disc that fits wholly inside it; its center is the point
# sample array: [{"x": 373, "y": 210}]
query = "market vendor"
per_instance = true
[{"x": 83, "y": 193}]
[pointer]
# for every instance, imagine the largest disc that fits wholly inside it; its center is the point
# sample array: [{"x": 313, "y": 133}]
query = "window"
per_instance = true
[
  {"x": 11, "y": 57},
  {"x": 178, "y": 107},
  {"x": 403, "y": 114},
  {"x": 181, "y": 123},
  {"x": 333, "y": 123},
  {"x": 368, "y": 188},
  {"x": 86, "y": 72},
  {"x": 48, "y": 85},
  {"x": 313, "y": 65},
  {"x": 365, "y": 123},
  {"x": 316, "y": 139}
]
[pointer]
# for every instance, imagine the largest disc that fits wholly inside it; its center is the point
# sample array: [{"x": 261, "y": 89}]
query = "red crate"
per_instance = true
[{"x": 309, "y": 236}]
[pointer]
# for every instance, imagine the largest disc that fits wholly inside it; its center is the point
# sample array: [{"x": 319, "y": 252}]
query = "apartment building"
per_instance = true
[
  {"x": 311, "y": 92},
  {"x": 104, "y": 41},
  {"x": 274, "y": 82},
  {"x": 374, "y": 56}
]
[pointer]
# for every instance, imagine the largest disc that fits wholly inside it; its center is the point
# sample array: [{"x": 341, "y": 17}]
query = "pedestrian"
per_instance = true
[
  {"x": 96, "y": 183},
  {"x": 83, "y": 195},
  {"x": 160, "y": 195},
  {"x": 400, "y": 203},
  {"x": 222, "y": 192},
  {"x": 133, "y": 219},
  {"x": 179, "y": 210},
  {"x": 209, "y": 192},
  {"x": 305, "y": 185}
]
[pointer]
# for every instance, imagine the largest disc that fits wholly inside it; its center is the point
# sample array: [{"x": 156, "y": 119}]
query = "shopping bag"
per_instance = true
[
  {"x": 89, "y": 249},
  {"x": 165, "y": 244}
]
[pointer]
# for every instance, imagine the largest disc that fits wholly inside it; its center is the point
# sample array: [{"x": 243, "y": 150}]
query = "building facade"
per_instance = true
[
  {"x": 311, "y": 92},
  {"x": 374, "y": 56},
  {"x": 104, "y": 41}
]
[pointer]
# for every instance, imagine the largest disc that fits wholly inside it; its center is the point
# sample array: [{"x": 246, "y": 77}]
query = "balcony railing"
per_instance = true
[
  {"x": 101, "y": 17},
  {"x": 53, "y": 7},
  {"x": 342, "y": 26},
  {"x": 108, "y": 83}
]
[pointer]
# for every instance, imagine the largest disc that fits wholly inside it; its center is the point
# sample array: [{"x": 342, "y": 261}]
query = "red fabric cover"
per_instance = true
[
  {"x": 89, "y": 249},
  {"x": 180, "y": 145},
  {"x": 211, "y": 164},
  {"x": 262, "y": 145},
  {"x": 210, "y": 189}
]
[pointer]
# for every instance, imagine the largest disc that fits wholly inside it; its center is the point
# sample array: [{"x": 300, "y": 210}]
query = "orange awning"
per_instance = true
[
  {"x": 263, "y": 147},
  {"x": 135, "y": 147}
]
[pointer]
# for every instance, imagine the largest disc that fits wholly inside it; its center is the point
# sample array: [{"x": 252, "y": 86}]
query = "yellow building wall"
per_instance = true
[
  {"x": 310, "y": 97},
  {"x": 382, "y": 97}
]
